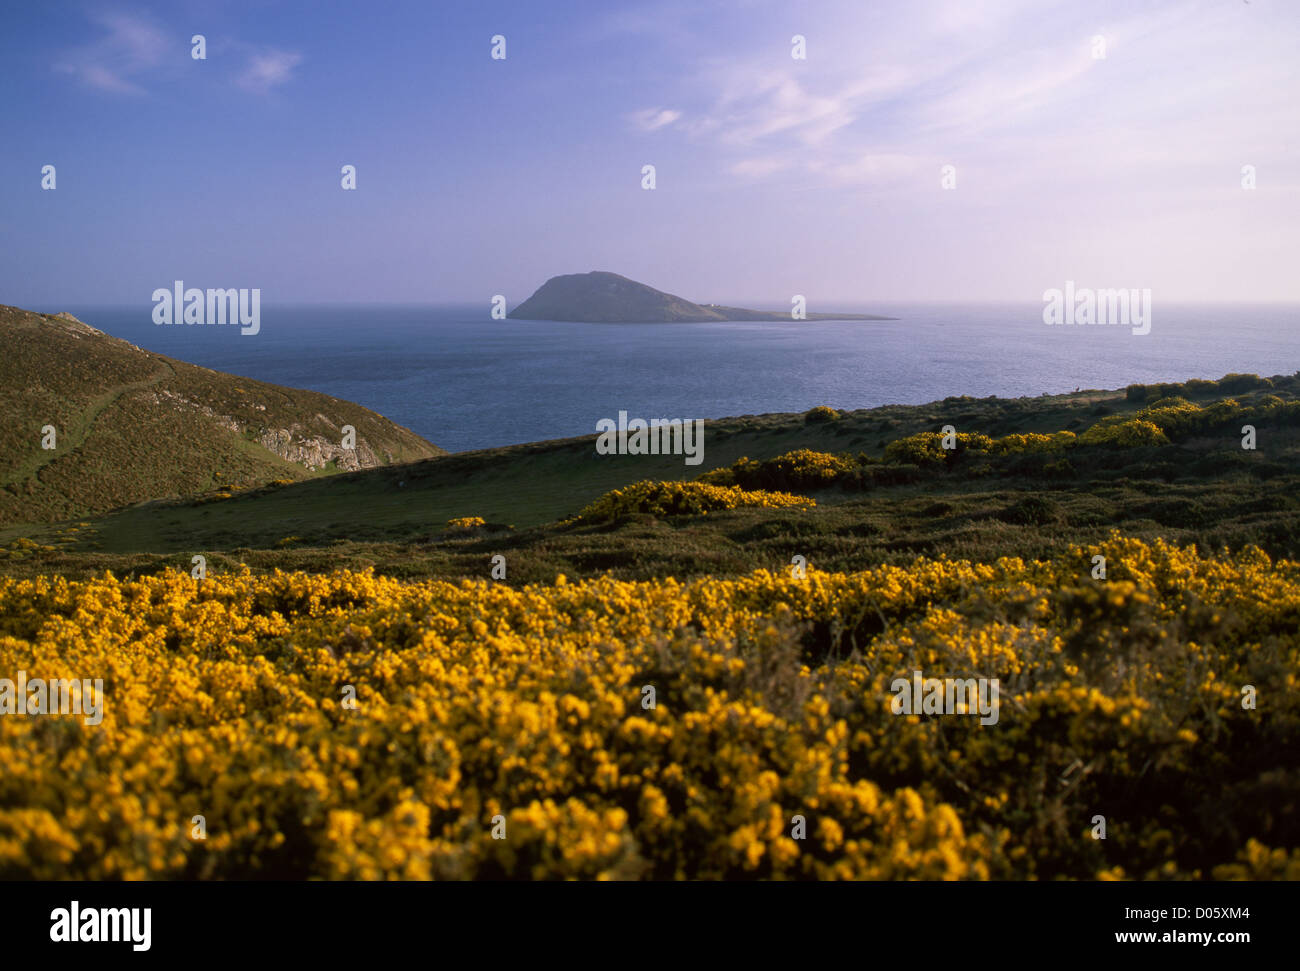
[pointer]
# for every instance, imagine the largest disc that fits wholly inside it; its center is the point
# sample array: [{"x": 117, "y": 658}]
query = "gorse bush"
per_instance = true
[
  {"x": 1032, "y": 510},
  {"x": 1124, "y": 433},
  {"x": 1173, "y": 402},
  {"x": 1032, "y": 442},
  {"x": 1173, "y": 416},
  {"x": 1178, "y": 419},
  {"x": 820, "y": 415},
  {"x": 465, "y": 523},
  {"x": 927, "y": 448},
  {"x": 800, "y": 469},
  {"x": 772, "y": 699},
  {"x": 682, "y": 499},
  {"x": 1230, "y": 383},
  {"x": 1243, "y": 382}
]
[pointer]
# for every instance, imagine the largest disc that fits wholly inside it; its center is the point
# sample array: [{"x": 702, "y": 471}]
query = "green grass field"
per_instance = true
[{"x": 1201, "y": 487}]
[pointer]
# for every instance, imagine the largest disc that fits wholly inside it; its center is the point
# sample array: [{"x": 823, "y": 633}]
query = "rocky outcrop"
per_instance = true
[
  {"x": 315, "y": 452},
  {"x": 296, "y": 443},
  {"x": 72, "y": 325}
]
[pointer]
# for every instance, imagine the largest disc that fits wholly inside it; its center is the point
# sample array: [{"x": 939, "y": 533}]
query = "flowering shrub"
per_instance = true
[
  {"x": 466, "y": 523},
  {"x": 1173, "y": 416},
  {"x": 226, "y": 698},
  {"x": 682, "y": 499},
  {"x": 1125, "y": 433},
  {"x": 800, "y": 469},
  {"x": 1033, "y": 442},
  {"x": 1243, "y": 382},
  {"x": 1178, "y": 419},
  {"x": 1170, "y": 417},
  {"x": 926, "y": 448},
  {"x": 820, "y": 415},
  {"x": 1257, "y": 862}
]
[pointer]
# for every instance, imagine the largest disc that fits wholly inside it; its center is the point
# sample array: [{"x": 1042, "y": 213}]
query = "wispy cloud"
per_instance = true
[
  {"x": 268, "y": 68},
  {"x": 899, "y": 89},
  {"x": 756, "y": 103},
  {"x": 131, "y": 45},
  {"x": 651, "y": 119}
]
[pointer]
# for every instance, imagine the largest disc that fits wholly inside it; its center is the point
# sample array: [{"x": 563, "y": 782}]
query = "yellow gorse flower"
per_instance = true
[
  {"x": 471, "y": 702},
  {"x": 466, "y": 522}
]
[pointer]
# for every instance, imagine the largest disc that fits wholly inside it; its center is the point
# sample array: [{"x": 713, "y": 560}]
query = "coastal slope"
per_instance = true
[{"x": 89, "y": 423}]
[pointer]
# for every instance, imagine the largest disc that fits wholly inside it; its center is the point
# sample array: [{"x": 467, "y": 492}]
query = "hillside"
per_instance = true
[
  {"x": 602, "y": 297},
  {"x": 887, "y": 500},
  {"x": 130, "y": 425}
]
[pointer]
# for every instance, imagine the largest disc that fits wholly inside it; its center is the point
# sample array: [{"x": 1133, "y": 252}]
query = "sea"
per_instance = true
[{"x": 465, "y": 381}]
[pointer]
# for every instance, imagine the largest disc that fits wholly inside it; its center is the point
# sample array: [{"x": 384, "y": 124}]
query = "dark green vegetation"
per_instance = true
[
  {"x": 607, "y": 298},
  {"x": 1200, "y": 486},
  {"x": 131, "y": 425}
]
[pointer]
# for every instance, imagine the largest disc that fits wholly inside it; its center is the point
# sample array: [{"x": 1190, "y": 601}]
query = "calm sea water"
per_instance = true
[{"x": 464, "y": 381}]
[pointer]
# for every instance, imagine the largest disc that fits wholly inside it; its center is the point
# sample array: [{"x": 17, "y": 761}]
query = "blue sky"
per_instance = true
[{"x": 775, "y": 176}]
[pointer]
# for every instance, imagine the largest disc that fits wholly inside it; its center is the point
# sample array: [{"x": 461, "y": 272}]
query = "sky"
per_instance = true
[{"x": 774, "y": 175}]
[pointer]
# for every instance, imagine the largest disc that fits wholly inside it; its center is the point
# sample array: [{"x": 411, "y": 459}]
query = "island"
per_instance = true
[{"x": 603, "y": 297}]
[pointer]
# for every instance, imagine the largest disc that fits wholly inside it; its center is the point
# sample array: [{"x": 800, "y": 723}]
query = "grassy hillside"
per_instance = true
[
  {"x": 1197, "y": 486},
  {"x": 131, "y": 425}
]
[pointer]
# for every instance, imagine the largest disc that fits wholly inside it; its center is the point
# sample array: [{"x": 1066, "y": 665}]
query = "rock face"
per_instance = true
[
  {"x": 297, "y": 443},
  {"x": 314, "y": 452},
  {"x": 603, "y": 297},
  {"x": 72, "y": 325}
]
